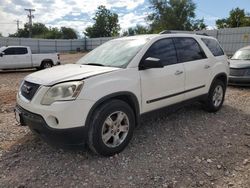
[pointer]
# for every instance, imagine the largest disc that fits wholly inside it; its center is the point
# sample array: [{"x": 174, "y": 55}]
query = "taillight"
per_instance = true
[{"x": 58, "y": 56}]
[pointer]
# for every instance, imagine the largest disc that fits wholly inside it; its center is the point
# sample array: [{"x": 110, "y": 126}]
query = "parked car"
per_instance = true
[
  {"x": 17, "y": 57},
  {"x": 240, "y": 67},
  {"x": 100, "y": 99}
]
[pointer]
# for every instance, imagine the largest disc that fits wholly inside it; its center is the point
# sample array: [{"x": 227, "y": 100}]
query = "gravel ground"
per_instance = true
[{"x": 185, "y": 148}]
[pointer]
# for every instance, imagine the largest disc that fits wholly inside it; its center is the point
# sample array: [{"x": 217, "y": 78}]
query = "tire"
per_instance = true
[
  {"x": 107, "y": 134},
  {"x": 46, "y": 64},
  {"x": 215, "y": 97}
]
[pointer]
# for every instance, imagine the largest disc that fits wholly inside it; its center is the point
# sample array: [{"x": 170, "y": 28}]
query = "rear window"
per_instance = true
[{"x": 213, "y": 46}]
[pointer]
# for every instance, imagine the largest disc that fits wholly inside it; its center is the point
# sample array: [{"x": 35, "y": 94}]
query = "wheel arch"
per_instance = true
[
  {"x": 221, "y": 76},
  {"x": 125, "y": 96},
  {"x": 47, "y": 60}
]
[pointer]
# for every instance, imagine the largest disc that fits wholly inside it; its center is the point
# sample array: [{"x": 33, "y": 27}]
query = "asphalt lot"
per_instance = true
[{"x": 184, "y": 148}]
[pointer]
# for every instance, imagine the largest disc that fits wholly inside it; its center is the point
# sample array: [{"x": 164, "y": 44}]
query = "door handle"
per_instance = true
[
  {"x": 178, "y": 72},
  {"x": 207, "y": 66}
]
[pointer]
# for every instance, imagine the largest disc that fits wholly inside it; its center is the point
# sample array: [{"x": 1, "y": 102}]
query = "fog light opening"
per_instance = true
[{"x": 53, "y": 121}]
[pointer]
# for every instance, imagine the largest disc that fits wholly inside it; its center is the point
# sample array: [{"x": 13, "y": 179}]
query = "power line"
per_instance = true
[{"x": 30, "y": 16}]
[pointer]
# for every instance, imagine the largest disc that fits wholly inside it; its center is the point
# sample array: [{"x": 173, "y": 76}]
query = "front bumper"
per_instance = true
[
  {"x": 61, "y": 137},
  {"x": 237, "y": 80}
]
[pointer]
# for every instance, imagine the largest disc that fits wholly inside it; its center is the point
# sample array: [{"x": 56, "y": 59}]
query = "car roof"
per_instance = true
[
  {"x": 152, "y": 36},
  {"x": 15, "y": 46},
  {"x": 245, "y": 48}
]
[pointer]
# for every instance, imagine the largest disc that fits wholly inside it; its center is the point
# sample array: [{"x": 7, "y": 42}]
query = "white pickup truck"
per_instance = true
[{"x": 17, "y": 57}]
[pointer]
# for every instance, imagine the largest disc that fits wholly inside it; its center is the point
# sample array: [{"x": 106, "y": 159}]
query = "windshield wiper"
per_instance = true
[{"x": 95, "y": 64}]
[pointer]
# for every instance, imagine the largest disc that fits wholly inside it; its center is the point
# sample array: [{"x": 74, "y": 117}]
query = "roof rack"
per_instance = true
[
  {"x": 165, "y": 32},
  {"x": 205, "y": 34},
  {"x": 185, "y": 32}
]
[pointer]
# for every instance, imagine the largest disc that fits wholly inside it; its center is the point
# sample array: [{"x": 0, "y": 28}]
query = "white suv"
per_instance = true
[{"x": 99, "y": 100}]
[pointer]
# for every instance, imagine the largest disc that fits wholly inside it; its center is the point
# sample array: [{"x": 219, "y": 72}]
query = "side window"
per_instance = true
[
  {"x": 16, "y": 51},
  {"x": 213, "y": 46},
  {"x": 188, "y": 49},
  {"x": 164, "y": 50},
  {"x": 9, "y": 51},
  {"x": 21, "y": 51}
]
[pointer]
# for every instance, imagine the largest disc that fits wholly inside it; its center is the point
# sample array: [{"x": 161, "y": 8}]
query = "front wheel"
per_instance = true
[
  {"x": 111, "y": 128},
  {"x": 216, "y": 96}
]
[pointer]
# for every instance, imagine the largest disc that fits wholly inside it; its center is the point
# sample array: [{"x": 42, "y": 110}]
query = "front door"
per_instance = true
[{"x": 15, "y": 57}]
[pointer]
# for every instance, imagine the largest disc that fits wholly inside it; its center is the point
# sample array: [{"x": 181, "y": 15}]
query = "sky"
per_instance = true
[{"x": 78, "y": 14}]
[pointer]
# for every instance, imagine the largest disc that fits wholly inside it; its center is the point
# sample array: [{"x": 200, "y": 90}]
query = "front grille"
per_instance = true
[
  {"x": 28, "y": 89},
  {"x": 239, "y": 72}
]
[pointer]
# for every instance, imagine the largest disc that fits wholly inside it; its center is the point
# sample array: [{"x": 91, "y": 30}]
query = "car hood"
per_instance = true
[
  {"x": 67, "y": 72},
  {"x": 239, "y": 64}
]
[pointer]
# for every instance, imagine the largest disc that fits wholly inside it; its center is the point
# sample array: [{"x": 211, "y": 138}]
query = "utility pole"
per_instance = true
[
  {"x": 17, "y": 24},
  {"x": 30, "y": 16}
]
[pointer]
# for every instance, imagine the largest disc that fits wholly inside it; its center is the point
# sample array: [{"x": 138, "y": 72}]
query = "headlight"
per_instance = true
[{"x": 62, "y": 92}]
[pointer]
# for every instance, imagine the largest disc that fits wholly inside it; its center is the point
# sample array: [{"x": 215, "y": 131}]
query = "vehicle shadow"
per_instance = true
[
  {"x": 17, "y": 71},
  {"x": 182, "y": 147}
]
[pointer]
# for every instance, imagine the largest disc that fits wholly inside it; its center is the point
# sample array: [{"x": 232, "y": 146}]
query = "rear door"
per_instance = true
[
  {"x": 162, "y": 86},
  {"x": 196, "y": 65},
  {"x": 16, "y": 57}
]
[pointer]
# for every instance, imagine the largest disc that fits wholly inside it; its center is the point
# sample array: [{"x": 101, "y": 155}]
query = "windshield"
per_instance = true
[
  {"x": 114, "y": 53},
  {"x": 242, "y": 55},
  {"x": 2, "y": 49}
]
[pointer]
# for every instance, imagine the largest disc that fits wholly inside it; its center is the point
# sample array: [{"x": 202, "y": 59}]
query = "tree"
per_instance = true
[
  {"x": 137, "y": 30},
  {"x": 173, "y": 15},
  {"x": 237, "y": 18},
  {"x": 53, "y": 33},
  {"x": 198, "y": 25},
  {"x": 68, "y": 33},
  {"x": 106, "y": 24},
  {"x": 40, "y": 30}
]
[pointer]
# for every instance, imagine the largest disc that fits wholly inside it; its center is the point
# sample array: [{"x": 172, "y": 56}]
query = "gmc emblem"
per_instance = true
[{"x": 27, "y": 89}]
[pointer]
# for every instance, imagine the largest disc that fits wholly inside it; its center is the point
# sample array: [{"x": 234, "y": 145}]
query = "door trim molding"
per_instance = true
[{"x": 175, "y": 94}]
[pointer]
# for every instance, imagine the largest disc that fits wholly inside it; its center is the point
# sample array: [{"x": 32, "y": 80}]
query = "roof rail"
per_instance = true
[
  {"x": 165, "y": 32},
  {"x": 185, "y": 32},
  {"x": 205, "y": 34}
]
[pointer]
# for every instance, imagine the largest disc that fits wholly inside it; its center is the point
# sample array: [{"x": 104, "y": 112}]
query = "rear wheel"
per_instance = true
[
  {"x": 216, "y": 96},
  {"x": 111, "y": 128},
  {"x": 46, "y": 64}
]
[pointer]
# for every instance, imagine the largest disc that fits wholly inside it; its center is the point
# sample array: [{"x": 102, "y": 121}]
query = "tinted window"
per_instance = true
[
  {"x": 188, "y": 49},
  {"x": 9, "y": 51},
  {"x": 16, "y": 51},
  {"x": 164, "y": 50},
  {"x": 213, "y": 46},
  {"x": 20, "y": 51}
]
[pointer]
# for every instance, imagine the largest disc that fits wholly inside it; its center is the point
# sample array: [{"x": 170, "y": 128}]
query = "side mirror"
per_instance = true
[{"x": 150, "y": 62}]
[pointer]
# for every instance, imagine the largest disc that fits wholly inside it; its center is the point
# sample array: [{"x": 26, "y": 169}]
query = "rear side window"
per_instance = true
[
  {"x": 164, "y": 50},
  {"x": 16, "y": 51},
  {"x": 20, "y": 51},
  {"x": 213, "y": 46},
  {"x": 188, "y": 49}
]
